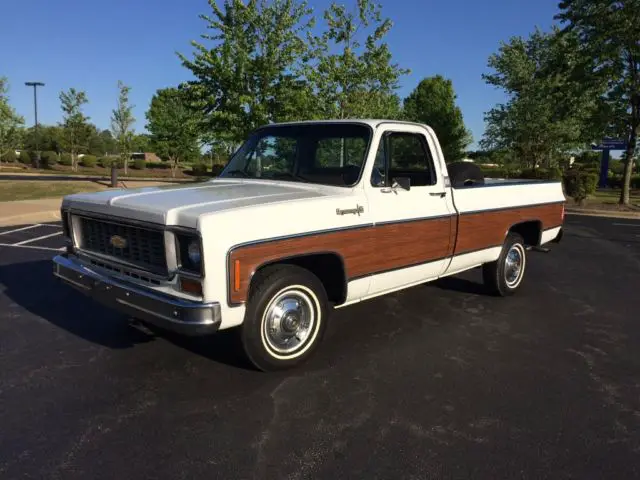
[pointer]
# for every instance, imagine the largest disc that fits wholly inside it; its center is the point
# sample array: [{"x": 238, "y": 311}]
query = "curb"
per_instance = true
[
  {"x": 602, "y": 213},
  {"x": 35, "y": 217}
]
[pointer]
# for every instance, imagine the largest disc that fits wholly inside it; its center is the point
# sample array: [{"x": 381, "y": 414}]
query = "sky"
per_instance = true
[{"x": 90, "y": 45}]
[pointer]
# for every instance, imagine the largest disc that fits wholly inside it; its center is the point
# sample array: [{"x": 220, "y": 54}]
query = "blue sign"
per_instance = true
[{"x": 611, "y": 144}]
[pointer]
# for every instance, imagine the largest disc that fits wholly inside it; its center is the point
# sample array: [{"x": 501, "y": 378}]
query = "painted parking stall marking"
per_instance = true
[{"x": 37, "y": 236}]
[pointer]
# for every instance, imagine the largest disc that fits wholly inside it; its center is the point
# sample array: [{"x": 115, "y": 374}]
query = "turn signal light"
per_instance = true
[{"x": 188, "y": 285}]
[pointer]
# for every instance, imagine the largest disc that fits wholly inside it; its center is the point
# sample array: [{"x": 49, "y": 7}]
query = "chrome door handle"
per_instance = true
[{"x": 438, "y": 194}]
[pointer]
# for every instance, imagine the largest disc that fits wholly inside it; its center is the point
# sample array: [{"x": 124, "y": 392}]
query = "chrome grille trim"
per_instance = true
[{"x": 145, "y": 247}]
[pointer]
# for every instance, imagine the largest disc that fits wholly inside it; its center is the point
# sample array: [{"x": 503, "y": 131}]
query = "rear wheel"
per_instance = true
[
  {"x": 504, "y": 276},
  {"x": 285, "y": 319}
]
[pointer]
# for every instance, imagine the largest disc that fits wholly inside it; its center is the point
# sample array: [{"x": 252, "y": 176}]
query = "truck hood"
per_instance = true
[{"x": 183, "y": 204}]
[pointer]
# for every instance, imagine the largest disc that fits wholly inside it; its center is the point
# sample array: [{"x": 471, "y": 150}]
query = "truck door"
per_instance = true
[{"x": 411, "y": 207}]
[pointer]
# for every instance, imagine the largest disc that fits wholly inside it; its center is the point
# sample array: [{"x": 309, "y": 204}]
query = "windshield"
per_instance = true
[{"x": 330, "y": 154}]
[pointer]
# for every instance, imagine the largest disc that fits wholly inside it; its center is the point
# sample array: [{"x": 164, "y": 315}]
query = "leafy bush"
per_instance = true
[
  {"x": 48, "y": 159},
  {"x": 553, "y": 173},
  {"x": 65, "y": 159},
  {"x": 158, "y": 165},
  {"x": 614, "y": 181},
  {"x": 25, "y": 157},
  {"x": 616, "y": 166},
  {"x": 504, "y": 172},
  {"x": 199, "y": 169},
  {"x": 89, "y": 161},
  {"x": 139, "y": 164},
  {"x": 635, "y": 182},
  {"x": 105, "y": 162},
  {"x": 579, "y": 184},
  {"x": 217, "y": 169},
  {"x": 9, "y": 157}
]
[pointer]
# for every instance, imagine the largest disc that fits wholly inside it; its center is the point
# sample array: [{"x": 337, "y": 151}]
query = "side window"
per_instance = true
[{"x": 408, "y": 156}]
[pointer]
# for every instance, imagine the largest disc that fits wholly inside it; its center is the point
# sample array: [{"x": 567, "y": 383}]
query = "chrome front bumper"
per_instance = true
[{"x": 182, "y": 316}]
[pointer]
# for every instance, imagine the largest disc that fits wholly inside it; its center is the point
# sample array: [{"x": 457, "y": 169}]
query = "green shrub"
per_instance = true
[
  {"x": 9, "y": 157},
  {"x": 139, "y": 164},
  {"x": 158, "y": 165},
  {"x": 616, "y": 166},
  {"x": 65, "y": 159},
  {"x": 199, "y": 169},
  {"x": 217, "y": 169},
  {"x": 25, "y": 157},
  {"x": 48, "y": 159},
  {"x": 554, "y": 173},
  {"x": 614, "y": 181},
  {"x": 107, "y": 162},
  {"x": 89, "y": 161},
  {"x": 104, "y": 162},
  {"x": 503, "y": 172},
  {"x": 635, "y": 182},
  {"x": 579, "y": 184}
]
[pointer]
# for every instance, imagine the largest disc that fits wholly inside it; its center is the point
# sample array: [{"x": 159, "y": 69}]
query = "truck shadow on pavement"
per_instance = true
[{"x": 32, "y": 286}]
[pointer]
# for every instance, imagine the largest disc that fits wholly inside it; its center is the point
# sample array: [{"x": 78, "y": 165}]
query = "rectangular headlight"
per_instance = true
[{"x": 189, "y": 251}]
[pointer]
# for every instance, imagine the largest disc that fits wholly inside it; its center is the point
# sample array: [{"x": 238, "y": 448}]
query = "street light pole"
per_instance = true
[{"x": 35, "y": 86}]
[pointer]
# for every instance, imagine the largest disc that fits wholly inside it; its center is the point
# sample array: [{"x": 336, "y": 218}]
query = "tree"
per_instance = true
[
  {"x": 122, "y": 121},
  {"x": 140, "y": 143},
  {"x": 74, "y": 124},
  {"x": 434, "y": 102},
  {"x": 173, "y": 127},
  {"x": 10, "y": 122},
  {"x": 249, "y": 76},
  {"x": 351, "y": 71},
  {"x": 610, "y": 31},
  {"x": 51, "y": 138},
  {"x": 551, "y": 101}
]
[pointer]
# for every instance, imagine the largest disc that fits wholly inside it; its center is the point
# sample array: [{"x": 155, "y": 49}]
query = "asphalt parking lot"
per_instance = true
[{"x": 439, "y": 381}]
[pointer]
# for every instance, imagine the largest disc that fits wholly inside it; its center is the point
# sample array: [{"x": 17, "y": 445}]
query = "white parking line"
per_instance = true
[
  {"x": 24, "y": 242},
  {"x": 627, "y": 224},
  {"x": 28, "y": 227},
  {"x": 19, "y": 229},
  {"x": 33, "y": 247}
]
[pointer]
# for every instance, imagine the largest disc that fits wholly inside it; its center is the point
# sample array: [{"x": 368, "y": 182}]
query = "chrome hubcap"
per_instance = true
[
  {"x": 514, "y": 264},
  {"x": 288, "y": 321}
]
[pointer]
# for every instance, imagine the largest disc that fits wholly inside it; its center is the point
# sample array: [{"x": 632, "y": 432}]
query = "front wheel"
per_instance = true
[
  {"x": 285, "y": 319},
  {"x": 504, "y": 276}
]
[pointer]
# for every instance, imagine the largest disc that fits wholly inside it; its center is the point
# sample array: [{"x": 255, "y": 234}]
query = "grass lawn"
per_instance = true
[
  {"x": 607, "y": 199},
  {"x": 30, "y": 190},
  {"x": 99, "y": 171}
]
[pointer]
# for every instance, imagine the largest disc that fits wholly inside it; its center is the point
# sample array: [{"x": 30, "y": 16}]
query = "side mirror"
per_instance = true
[{"x": 402, "y": 182}]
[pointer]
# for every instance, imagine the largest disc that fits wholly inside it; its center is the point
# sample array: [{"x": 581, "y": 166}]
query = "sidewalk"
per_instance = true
[
  {"x": 30, "y": 211},
  {"x": 42, "y": 210}
]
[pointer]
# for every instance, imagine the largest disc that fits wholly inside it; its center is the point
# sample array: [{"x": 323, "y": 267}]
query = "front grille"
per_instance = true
[{"x": 141, "y": 247}]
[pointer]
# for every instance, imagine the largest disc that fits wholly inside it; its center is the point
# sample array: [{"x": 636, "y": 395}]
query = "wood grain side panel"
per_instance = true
[
  {"x": 364, "y": 251},
  {"x": 486, "y": 229},
  {"x": 411, "y": 243}
]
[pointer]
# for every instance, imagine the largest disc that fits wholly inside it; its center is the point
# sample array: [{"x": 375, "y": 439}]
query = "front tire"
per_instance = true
[
  {"x": 504, "y": 276},
  {"x": 286, "y": 317}
]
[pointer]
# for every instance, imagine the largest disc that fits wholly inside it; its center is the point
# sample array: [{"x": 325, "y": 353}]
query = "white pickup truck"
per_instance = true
[{"x": 305, "y": 217}]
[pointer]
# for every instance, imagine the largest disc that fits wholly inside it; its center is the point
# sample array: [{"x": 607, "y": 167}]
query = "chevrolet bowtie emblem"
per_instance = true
[{"x": 117, "y": 241}]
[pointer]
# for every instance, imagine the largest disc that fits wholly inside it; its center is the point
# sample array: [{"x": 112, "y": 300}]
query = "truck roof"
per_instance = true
[{"x": 372, "y": 122}]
